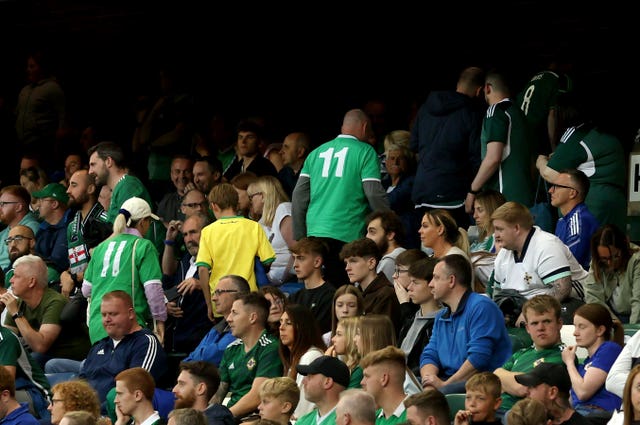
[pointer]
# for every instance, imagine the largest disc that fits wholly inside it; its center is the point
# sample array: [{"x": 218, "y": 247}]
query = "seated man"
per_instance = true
[
  {"x": 356, "y": 407},
  {"x": 134, "y": 395},
  {"x": 51, "y": 237},
  {"x": 31, "y": 386},
  {"x": 215, "y": 342},
  {"x": 577, "y": 224},
  {"x": 34, "y": 314},
  {"x": 543, "y": 324},
  {"x": 22, "y": 241},
  {"x": 136, "y": 346},
  {"x": 531, "y": 262},
  {"x": 11, "y": 411},
  {"x": 251, "y": 359},
  {"x": 469, "y": 334}
]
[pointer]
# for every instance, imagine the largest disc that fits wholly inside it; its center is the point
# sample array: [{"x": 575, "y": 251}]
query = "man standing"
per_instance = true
[
  {"x": 51, "y": 237},
  {"x": 14, "y": 210},
  {"x": 106, "y": 164},
  {"x": 85, "y": 230},
  {"x": 324, "y": 379},
  {"x": 251, "y": 359},
  {"x": 446, "y": 137},
  {"x": 207, "y": 172},
  {"x": 577, "y": 224},
  {"x": 294, "y": 151},
  {"x": 340, "y": 175},
  {"x": 469, "y": 334},
  {"x": 248, "y": 155},
  {"x": 197, "y": 383},
  {"x": 169, "y": 207},
  {"x": 506, "y": 148},
  {"x": 386, "y": 230},
  {"x": 212, "y": 346}
]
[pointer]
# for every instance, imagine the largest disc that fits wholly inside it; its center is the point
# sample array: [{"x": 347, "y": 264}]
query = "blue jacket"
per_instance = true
[
  {"x": 446, "y": 137},
  {"x": 219, "y": 415},
  {"x": 51, "y": 242},
  {"x": 20, "y": 416},
  {"x": 575, "y": 230},
  {"x": 475, "y": 332},
  {"x": 138, "y": 349},
  {"x": 212, "y": 346}
]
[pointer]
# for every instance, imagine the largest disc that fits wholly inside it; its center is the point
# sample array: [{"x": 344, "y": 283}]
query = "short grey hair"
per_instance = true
[
  {"x": 34, "y": 267},
  {"x": 359, "y": 404}
]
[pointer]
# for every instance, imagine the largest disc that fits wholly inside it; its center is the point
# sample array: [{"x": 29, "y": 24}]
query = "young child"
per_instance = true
[
  {"x": 482, "y": 400},
  {"x": 278, "y": 399}
]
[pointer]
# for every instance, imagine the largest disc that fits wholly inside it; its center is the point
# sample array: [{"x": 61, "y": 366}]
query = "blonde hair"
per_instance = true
[
  {"x": 527, "y": 412},
  {"x": 350, "y": 325},
  {"x": 273, "y": 195},
  {"x": 514, "y": 213},
  {"x": 453, "y": 234},
  {"x": 397, "y": 140},
  {"x": 376, "y": 332},
  {"x": 282, "y": 388}
]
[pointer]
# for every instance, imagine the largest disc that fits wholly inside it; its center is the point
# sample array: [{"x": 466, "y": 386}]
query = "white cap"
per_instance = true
[{"x": 135, "y": 209}]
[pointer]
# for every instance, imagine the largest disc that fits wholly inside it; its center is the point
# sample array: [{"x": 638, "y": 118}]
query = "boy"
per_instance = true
[
  {"x": 278, "y": 399},
  {"x": 482, "y": 400},
  {"x": 308, "y": 262},
  {"x": 361, "y": 259}
]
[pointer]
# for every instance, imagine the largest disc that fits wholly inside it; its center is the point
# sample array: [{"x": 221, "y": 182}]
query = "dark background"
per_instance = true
[{"x": 301, "y": 66}]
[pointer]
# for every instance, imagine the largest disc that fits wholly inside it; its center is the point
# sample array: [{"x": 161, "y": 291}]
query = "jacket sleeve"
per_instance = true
[
  {"x": 299, "y": 206},
  {"x": 618, "y": 373}
]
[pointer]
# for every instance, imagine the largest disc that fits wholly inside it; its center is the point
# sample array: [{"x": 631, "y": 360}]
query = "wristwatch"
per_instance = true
[{"x": 17, "y": 315}]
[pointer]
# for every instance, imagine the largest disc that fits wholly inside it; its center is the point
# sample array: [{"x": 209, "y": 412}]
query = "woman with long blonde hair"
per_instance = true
[
  {"x": 344, "y": 347},
  {"x": 270, "y": 201}
]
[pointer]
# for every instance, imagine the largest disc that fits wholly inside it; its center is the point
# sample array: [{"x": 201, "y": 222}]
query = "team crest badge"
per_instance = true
[
  {"x": 537, "y": 362},
  {"x": 251, "y": 363}
]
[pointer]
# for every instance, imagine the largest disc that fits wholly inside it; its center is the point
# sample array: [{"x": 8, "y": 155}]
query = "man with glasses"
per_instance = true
[
  {"x": 219, "y": 337},
  {"x": 577, "y": 224},
  {"x": 532, "y": 262},
  {"x": 14, "y": 210},
  {"x": 20, "y": 242}
]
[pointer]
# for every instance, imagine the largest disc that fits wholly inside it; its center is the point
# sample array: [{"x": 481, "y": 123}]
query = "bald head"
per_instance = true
[
  {"x": 82, "y": 189},
  {"x": 22, "y": 241},
  {"x": 356, "y": 123}
]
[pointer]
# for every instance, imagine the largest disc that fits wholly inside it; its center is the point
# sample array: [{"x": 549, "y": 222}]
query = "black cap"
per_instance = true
[
  {"x": 553, "y": 374},
  {"x": 329, "y": 366}
]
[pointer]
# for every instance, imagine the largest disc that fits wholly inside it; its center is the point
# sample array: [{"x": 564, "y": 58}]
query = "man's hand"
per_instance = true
[
  {"x": 189, "y": 285},
  {"x": 66, "y": 284},
  {"x": 10, "y": 301},
  {"x": 174, "y": 310},
  {"x": 431, "y": 381},
  {"x": 173, "y": 229},
  {"x": 468, "y": 203}
]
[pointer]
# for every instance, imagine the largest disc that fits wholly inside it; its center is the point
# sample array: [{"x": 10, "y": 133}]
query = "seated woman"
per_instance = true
[
  {"x": 629, "y": 412},
  {"x": 300, "y": 343},
  {"x": 614, "y": 275},
  {"x": 344, "y": 347},
  {"x": 347, "y": 302},
  {"x": 270, "y": 202},
  {"x": 603, "y": 338},
  {"x": 277, "y": 301},
  {"x": 483, "y": 250},
  {"x": 440, "y": 232}
]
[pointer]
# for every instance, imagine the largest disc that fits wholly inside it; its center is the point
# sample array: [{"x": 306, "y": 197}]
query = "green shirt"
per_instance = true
[
  {"x": 12, "y": 353},
  {"x": 505, "y": 123},
  {"x": 356, "y": 377},
  {"x": 312, "y": 418},
  {"x": 524, "y": 361},
  {"x": 240, "y": 368},
  {"x": 398, "y": 416}
]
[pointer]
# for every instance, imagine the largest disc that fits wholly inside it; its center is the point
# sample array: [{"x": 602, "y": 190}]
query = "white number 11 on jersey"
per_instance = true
[{"x": 328, "y": 155}]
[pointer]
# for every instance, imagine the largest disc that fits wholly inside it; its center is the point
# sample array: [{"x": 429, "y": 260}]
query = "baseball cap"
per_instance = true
[
  {"x": 553, "y": 374},
  {"x": 137, "y": 209},
  {"x": 329, "y": 366},
  {"x": 52, "y": 190}
]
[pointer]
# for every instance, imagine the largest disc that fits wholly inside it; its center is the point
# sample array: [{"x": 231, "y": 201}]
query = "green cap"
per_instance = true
[{"x": 52, "y": 190}]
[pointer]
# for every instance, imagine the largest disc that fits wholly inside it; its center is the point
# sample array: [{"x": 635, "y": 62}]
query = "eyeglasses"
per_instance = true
[
  {"x": 218, "y": 292},
  {"x": 399, "y": 271},
  {"x": 555, "y": 186},
  {"x": 254, "y": 194},
  {"x": 3, "y": 203},
  {"x": 18, "y": 238},
  {"x": 194, "y": 204}
]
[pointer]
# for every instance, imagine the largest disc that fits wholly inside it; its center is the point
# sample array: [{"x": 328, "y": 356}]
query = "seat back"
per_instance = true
[{"x": 456, "y": 403}]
